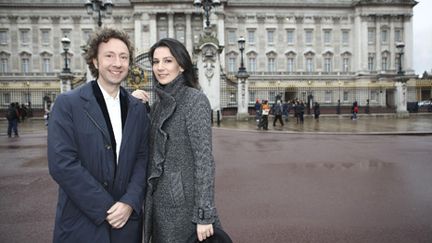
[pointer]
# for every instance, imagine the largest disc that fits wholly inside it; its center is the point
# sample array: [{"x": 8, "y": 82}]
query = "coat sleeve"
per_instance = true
[
  {"x": 200, "y": 134},
  {"x": 135, "y": 191},
  {"x": 80, "y": 186}
]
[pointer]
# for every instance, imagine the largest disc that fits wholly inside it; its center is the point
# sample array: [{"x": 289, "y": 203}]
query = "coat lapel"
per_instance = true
[
  {"x": 129, "y": 126},
  {"x": 93, "y": 112}
]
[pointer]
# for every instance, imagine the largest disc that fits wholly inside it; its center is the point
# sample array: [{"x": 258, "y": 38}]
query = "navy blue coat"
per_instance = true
[{"x": 82, "y": 162}]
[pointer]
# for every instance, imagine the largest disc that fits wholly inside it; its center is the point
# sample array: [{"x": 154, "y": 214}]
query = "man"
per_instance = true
[
  {"x": 277, "y": 112},
  {"x": 98, "y": 150},
  {"x": 12, "y": 116}
]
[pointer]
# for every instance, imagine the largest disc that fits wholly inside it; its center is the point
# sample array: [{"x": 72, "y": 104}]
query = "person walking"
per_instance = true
[
  {"x": 265, "y": 110},
  {"x": 180, "y": 197},
  {"x": 301, "y": 110},
  {"x": 277, "y": 112},
  {"x": 317, "y": 111},
  {"x": 355, "y": 110},
  {"x": 98, "y": 150},
  {"x": 257, "y": 110},
  {"x": 12, "y": 116}
]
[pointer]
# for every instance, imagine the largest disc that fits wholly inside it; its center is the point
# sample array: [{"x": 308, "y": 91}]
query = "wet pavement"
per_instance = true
[{"x": 333, "y": 181}]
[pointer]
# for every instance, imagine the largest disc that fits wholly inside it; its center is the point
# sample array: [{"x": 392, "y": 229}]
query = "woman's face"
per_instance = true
[{"x": 165, "y": 66}]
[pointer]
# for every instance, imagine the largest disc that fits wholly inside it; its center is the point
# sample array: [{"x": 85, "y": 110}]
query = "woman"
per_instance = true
[{"x": 180, "y": 194}]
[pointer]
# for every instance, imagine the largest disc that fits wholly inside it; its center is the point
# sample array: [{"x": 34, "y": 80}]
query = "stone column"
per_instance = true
[
  {"x": 408, "y": 35},
  {"x": 171, "y": 25},
  {"x": 242, "y": 96},
  {"x": 189, "y": 38},
  {"x": 401, "y": 98},
  {"x": 138, "y": 32},
  {"x": 153, "y": 28},
  {"x": 65, "y": 81},
  {"x": 209, "y": 69}
]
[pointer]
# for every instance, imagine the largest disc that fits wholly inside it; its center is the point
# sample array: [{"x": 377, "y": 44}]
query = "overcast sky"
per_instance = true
[{"x": 422, "y": 55}]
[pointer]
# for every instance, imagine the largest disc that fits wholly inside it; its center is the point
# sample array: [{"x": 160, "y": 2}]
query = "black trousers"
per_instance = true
[{"x": 276, "y": 118}]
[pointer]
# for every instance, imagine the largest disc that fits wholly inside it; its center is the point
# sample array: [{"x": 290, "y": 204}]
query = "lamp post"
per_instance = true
[
  {"x": 400, "y": 47},
  {"x": 100, "y": 7},
  {"x": 241, "y": 44},
  {"x": 207, "y": 5},
  {"x": 66, "y": 45},
  {"x": 65, "y": 76},
  {"x": 242, "y": 90},
  {"x": 401, "y": 88}
]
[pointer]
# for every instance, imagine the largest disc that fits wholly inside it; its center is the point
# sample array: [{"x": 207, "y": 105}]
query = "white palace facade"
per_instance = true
[{"x": 323, "y": 50}]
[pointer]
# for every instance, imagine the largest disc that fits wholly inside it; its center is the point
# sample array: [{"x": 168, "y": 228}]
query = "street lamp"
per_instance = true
[
  {"x": 66, "y": 45},
  {"x": 241, "y": 44},
  {"x": 100, "y": 7},
  {"x": 243, "y": 87},
  {"x": 400, "y": 47},
  {"x": 207, "y": 5}
]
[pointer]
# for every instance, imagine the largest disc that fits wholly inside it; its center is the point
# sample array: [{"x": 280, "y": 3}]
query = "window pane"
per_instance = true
[
  {"x": 251, "y": 36},
  {"x": 45, "y": 36},
  {"x": 327, "y": 36},
  {"x": 290, "y": 67},
  {"x": 25, "y": 65},
  {"x": 371, "y": 35},
  {"x": 4, "y": 65},
  {"x": 231, "y": 64},
  {"x": 252, "y": 64},
  {"x": 270, "y": 36},
  {"x": 25, "y": 38},
  {"x": 345, "y": 37},
  {"x": 232, "y": 38},
  {"x": 290, "y": 37},
  {"x": 3, "y": 37},
  {"x": 308, "y": 37},
  {"x": 384, "y": 36}
]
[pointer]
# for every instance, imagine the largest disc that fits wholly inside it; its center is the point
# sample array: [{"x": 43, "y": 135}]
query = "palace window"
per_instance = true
[
  {"x": 308, "y": 36},
  {"x": 252, "y": 66},
  {"x": 345, "y": 37},
  {"x": 327, "y": 37},
  {"x": 290, "y": 37},
  {"x": 251, "y": 37},
  {"x": 4, "y": 37}
]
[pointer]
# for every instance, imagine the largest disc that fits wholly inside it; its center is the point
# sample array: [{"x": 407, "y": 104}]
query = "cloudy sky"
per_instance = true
[{"x": 422, "y": 55}]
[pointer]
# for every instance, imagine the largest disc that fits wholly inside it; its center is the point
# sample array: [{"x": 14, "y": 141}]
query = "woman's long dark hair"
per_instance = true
[{"x": 178, "y": 50}]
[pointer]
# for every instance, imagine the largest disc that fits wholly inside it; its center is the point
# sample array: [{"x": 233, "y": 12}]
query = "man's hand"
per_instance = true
[
  {"x": 204, "y": 231},
  {"x": 119, "y": 214}
]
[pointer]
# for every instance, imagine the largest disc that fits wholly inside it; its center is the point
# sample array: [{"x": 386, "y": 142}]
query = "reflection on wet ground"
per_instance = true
[
  {"x": 315, "y": 183},
  {"x": 343, "y": 124}
]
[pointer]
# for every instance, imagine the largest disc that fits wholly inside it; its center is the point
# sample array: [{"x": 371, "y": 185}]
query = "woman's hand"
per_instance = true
[
  {"x": 141, "y": 95},
  {"x": 204, "y": 231}
]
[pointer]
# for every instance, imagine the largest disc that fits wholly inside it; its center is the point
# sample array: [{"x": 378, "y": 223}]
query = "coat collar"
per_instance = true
[{"x": 95, "y": 114}]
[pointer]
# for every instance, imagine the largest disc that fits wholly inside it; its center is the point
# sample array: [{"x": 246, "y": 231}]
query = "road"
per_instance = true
[{"x": 270, "y": 187}]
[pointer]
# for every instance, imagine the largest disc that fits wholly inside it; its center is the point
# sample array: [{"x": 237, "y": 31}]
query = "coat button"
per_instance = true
[
  {"x": 108, "y": 146},
  {"x": 105, "y": 184}
]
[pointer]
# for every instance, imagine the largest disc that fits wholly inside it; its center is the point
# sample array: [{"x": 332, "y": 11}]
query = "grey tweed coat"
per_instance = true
[{"x": 181, "y": 175}]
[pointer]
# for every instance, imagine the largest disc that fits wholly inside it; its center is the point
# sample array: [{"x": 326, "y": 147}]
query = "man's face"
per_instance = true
[{"x": 112, "y": 62}]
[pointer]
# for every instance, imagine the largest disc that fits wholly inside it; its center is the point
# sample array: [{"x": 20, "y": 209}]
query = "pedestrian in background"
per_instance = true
[
  {"x": 265, "y": 110},
  {"x": 317, "y": 111},
  {"x": 301, "y": 111},
  {"x": 277, "y": 112},
  {"x": 180, "y": 196},
  {"x": 12, "y": 115},
  {"x": 354, "y": 110},
  {"x": 98, "y": 150},
  {"x": 257, "y": 110}
]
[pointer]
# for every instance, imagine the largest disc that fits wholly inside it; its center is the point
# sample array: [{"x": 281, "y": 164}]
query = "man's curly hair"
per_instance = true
[{"x": 104, "y": 35}]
